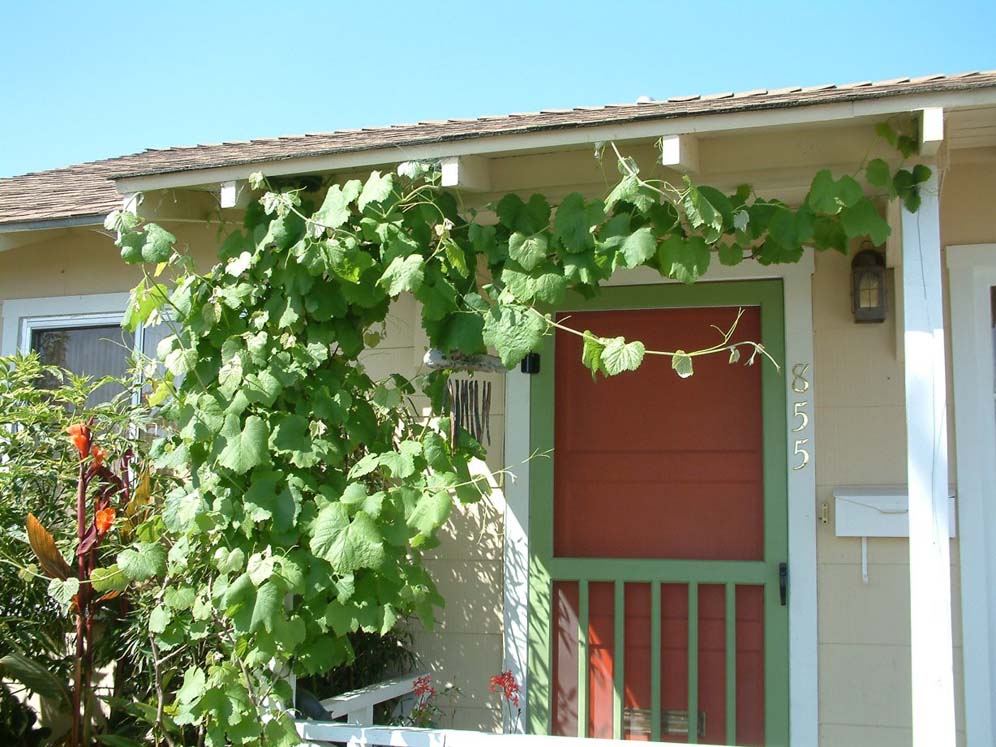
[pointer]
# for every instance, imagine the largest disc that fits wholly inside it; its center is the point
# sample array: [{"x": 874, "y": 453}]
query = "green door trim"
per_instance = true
[{"x": 543, "y": 567}]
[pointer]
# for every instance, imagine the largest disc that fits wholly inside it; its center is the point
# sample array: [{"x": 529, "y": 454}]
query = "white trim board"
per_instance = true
[
  {"x": 971, "y": 274},
  {"x": 803, "y": 681}
]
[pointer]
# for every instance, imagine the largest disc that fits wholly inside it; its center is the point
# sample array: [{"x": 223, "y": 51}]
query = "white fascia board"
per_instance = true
[{"x": 565, "y": 138}]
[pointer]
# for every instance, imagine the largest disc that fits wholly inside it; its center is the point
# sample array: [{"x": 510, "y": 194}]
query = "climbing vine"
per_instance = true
[{"x": 309, "y": 490}]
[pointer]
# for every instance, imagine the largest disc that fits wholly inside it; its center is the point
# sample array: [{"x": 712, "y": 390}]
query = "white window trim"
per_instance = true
[
  {"x": 22, "y": 315},
  {"x": 803, "y": 650},
  {"x": 972, "y": 272}
]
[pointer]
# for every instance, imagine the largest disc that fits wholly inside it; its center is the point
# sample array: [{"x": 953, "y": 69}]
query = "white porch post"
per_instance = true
[{"x": 927, "y": 474}]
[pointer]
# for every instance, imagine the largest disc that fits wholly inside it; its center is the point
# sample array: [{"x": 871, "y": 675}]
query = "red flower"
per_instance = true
[
  {"x": 98, "y": 455},
  {"x": 104, "y": 520},
  {"x": 505, "y": 682},
  {"x": 423, "y": 687},
  {"x": 79, "y": 435}
]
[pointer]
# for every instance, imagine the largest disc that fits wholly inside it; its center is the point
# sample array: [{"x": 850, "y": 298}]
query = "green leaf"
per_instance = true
[
  {"x": 878, "y": 174},
  {"x": 591, "y": 353},
  {"x": 244, "y": 449},
  {"x": 731, "y": 254},
  {"x": 638, "y": 247},
  {"x": 849, "y": 192},
  {"x": 404, "y": 274},
  {"x": 516, "y": 215},
  {"x": 35, "y": 676},
  {"x": 346, "y": 545},
  {"x": 334, "y": 211},
  {"x": 193, "y": 685},
  {"x": 548, "y": 287},
  {"x": 862, "y": 219},
  {"x": 683, "y": 259},
  {"x": 401, "y": 463},
  {"x": 629, "y": 189},
  {"x": 702, "y": 213},
  {"x": 181, "y": 509},
  {"x": 822, "y": 196},
  {"x": 619, "y": 355},
  {"x": 431, "y": 512},
  {"x": 179, "y": 597},
  {"x": 63, "y": 590},
  {"x": 681, "y": 362},
  {"x": 884, "y": 130},
  {"x": 260, "y": 567},
  {"x": 142, "y": 561},
  {"x": 292, "y": 437},
  {"x": 111, "y": 578},
  {"x": 574, "y": 221},
  {"x": 269, "y": 604},
  {"x": 921, "y": 173},
  {"x": 158, "y": 244},
  {"x": 159, "y": 618},
  {"x": 528, "y": 251},
  {"x": 513, "y": 331},
  {"x": 377, "y": 189}
]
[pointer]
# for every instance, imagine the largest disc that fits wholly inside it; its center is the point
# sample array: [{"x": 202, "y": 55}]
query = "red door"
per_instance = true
[{"x": 659, "y": 536}]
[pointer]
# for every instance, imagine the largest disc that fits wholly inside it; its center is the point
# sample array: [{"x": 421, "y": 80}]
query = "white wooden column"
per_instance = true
[
  {"x": 516, "y": 554},
  {"x": 927, "y": 475}
]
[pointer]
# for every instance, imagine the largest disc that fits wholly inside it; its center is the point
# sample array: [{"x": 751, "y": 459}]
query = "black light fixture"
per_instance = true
[{"x": 868, "y": 299}]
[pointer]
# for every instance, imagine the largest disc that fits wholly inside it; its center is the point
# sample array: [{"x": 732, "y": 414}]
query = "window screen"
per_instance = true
[{"x": 96, "y": 351}]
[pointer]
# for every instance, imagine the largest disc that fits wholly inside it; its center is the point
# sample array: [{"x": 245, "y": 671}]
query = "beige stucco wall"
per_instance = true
[{"x": 864, "y": 654}]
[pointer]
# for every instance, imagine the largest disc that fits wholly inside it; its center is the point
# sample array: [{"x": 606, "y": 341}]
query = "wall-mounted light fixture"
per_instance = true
[{"x": 868, "y": 299}]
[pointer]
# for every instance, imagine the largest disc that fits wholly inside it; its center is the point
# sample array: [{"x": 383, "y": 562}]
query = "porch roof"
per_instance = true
[{"x": 86, "y": 192}]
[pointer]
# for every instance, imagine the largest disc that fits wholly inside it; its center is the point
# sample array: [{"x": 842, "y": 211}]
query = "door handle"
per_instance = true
[{"x": 783, "y": 582}]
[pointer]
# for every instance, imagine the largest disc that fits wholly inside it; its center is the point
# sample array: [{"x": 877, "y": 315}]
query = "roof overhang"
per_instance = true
[
  {"x": 563, "y": 137},
  {"x": 74, "y": 221}
]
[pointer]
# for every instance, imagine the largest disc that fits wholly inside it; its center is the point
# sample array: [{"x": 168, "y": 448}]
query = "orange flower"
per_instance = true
[
  {"x": 98, "y": 455},
  {"x": 104, "y": 520},
  {"x": 79, "y": 434}
]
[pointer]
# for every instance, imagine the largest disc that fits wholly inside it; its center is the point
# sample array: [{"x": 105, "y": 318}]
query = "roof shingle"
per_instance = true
[{"x": 88, "y": 189}]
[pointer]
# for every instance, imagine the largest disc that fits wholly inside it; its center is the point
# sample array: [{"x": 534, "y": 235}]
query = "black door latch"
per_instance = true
[{"x": 783, "y": 582}]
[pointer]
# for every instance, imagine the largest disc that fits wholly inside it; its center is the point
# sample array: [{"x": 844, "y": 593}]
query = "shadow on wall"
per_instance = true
[{"x": 465, "y": 648}]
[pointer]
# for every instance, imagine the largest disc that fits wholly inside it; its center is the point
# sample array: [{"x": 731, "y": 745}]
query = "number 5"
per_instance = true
[
  {"x": 800, "y": 451},
  {"x": 800, "y": 413}
]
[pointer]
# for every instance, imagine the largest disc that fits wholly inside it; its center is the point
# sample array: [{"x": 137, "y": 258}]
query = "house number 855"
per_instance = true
[{"x": 800, "y": 385}]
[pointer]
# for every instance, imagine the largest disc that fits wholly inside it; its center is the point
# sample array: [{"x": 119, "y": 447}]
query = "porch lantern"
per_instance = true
[{"x": 868, "y": 299}]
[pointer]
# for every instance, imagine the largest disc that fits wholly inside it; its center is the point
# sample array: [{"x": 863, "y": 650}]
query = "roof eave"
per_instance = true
[
  {"x": 72, "y": 221},
  {"x": 524, "y": 139}
]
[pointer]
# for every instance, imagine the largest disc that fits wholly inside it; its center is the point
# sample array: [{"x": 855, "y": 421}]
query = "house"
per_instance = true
[{"x": 776, "y": 540}]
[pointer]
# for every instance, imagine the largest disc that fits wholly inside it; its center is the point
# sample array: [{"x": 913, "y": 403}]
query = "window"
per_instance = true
[{"x": 80, "y": 333}]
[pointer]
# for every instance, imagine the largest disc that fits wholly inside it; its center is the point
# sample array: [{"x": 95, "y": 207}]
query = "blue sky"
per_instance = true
[{"x": 82, "y": 81}]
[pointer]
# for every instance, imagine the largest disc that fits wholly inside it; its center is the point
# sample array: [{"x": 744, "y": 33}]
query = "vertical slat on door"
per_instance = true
[
  {"x": 618, "y": 659},
  {"x": 655, "y": 661},
  {"x": 693, "y": 663},
  {"x": 583, "y": 656},
  {"x": 731, "y": 663}
]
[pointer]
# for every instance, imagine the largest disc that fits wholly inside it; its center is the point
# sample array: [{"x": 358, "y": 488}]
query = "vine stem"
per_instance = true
[
  {"x": 717, "y": 348},
  {"x": 160, "y": 695}
]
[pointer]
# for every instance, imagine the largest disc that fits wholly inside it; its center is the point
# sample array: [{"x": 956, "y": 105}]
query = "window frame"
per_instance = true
[{"x": 20, "y": 317}]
